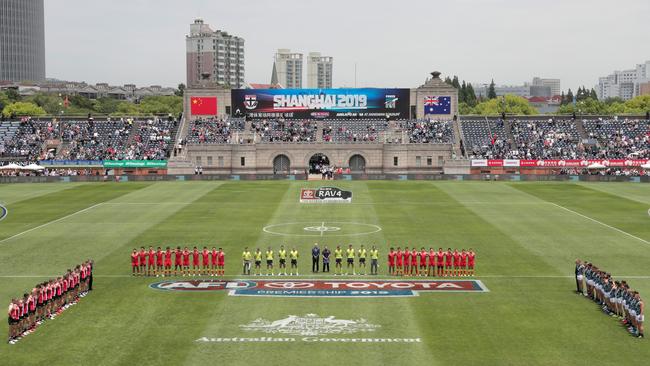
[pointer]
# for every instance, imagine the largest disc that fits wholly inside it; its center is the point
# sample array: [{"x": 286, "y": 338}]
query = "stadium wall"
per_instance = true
[{"x": 259, "y": 158}]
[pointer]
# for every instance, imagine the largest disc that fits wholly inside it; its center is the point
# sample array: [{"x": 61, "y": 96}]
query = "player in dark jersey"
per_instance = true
[{"x": 178, "y": 261}]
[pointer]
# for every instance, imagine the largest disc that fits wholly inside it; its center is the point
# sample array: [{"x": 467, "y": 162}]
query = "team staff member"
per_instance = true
[
  {"x": 350, "y": 256},
  {"x": 374, "y": 260},
  {"x": 315, "y": 254},
  {"x": 247, "y": 257},
  {"x": 326, "y": 259},
  {"x": 362, "y": 260},
  {"x": 282, "y": 256},
  {"x": 338, "y": 257},
  {"x": 293, "y": 255}
]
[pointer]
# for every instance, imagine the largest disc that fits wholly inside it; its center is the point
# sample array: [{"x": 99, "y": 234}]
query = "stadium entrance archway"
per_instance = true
[
  {"x": 316, "y": 162},
  {"x": 281, "y": 164},
  {"x": 357, "y": 164}
]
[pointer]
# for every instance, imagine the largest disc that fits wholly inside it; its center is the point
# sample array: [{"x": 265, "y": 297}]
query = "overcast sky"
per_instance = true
[{"x": 393, "y": 43}]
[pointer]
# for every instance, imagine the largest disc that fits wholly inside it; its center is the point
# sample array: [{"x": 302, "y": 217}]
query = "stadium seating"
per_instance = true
[
  {"x": 7, "y": 131},
  {"x": 618, "y": 139},
  {"x": 94, "y": 140},
  {"x": 279, "y": 130},
  {"x": 213, "y": 131},
  {"x": 485, "y": 139},
  {"x": 546, "y": 139},
  {"x": 437, "y": 132},
  {"x": 151, "y": 141},
  {"x": 27, "y": 141}
]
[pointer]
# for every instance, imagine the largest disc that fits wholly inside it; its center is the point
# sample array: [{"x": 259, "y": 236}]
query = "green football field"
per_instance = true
[{"x": 526, "y": 235}]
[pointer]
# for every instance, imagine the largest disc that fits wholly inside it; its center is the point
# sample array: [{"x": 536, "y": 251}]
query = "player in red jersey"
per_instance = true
[
  {"x": 414, "y": 262},
  {"x": 213, "y": 255},
  {"x": 406, "y": 258},
  {"x": 471, "y": 257},
  {"x": 399, "y": 262},
  {"x": 456, "y": 256},
  {"x": 221, "y": 263},
  {"x": 167, "y": 262},
  {"x": 205, "y": 260},
  {"x": 143, "y": 261},
  {"x": 391, "y": 261},
  {"x": 178, "y": 261},
  {"x": 186, "y": 261},
  {"x": 431, "y": 270},
  {"x": 440, "y": 260},
  {"x": 196, "y": 262},
  {"x": 134, "y": 262},
  {"x": 463, "y": 263},
  {"x": 151, "y": 255},
  {"x": 448, "y": 262},
  {"x": 160, "y": 262},
  {"x": 423, "y": 261}
]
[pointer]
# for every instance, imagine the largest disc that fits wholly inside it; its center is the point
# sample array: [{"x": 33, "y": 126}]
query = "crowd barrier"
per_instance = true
[{"x": 301, "y": 177}]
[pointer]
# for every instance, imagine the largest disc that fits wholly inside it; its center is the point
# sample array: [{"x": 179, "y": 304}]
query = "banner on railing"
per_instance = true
[
  {"x": 135, "y": 163},
  {"x": 70, "y": 162},
  {"x": 568, "y": 163}
]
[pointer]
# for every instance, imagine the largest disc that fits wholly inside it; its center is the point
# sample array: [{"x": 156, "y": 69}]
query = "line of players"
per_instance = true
[
  {"x": 159, "y": 263},
  {"x": 431, "y": 263},
  {"x": 48, "y": 299},
  {"x": 615, "y": 297},
  {"x": 360, "y": 255}
]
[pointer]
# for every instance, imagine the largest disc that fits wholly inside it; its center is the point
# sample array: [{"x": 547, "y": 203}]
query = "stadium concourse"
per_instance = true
[{"x": 551, "y": 145}]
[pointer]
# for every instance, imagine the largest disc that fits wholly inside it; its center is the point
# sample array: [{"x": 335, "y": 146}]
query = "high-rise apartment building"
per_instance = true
[
  {"x": 22, "y": 40},
  {"x": 288, "y": 68},
  {"x": 319, "y": 71},
  {"x": 214, "y": 57}
]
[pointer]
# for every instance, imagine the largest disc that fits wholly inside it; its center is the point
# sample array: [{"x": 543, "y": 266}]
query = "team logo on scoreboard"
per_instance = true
[
  {"x": 310, "y": 325},
  {"x": 325, "y": 195},
  {"x": 250, "y": 101},
  {"x": 390, "y": 101}
]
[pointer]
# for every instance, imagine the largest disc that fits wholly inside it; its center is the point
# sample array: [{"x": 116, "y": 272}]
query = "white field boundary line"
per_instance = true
[
  {"x": 51, "y": 222},
  {"x": 601, "y": 223},
  {"x": 325, "y": 277},
  {"x": 347, "y": 204}
]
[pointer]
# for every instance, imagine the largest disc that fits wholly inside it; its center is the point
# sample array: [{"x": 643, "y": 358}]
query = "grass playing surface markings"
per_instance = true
[{"x": 525, "y": 249}]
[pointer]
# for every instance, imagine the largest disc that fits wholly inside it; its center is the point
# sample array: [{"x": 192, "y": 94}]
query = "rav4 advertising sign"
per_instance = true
[{"x": 325, "y": 195}]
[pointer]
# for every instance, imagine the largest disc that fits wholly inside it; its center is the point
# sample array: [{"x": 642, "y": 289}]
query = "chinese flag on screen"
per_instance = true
[{"x": 203, "y": 106}]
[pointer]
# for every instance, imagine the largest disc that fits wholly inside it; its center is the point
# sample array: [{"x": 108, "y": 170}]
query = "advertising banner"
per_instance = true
[
  {"x": 70, "y": 162},
  {"x": 135, "y": 163},
  {"x": 321, "y": 103},
  {"x": 556, "y": 163},
  {"x": 325, "y": 195}
]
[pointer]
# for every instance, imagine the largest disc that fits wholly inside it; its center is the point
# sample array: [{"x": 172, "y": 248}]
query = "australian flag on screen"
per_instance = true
[{"x": 437, "y": 105}]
